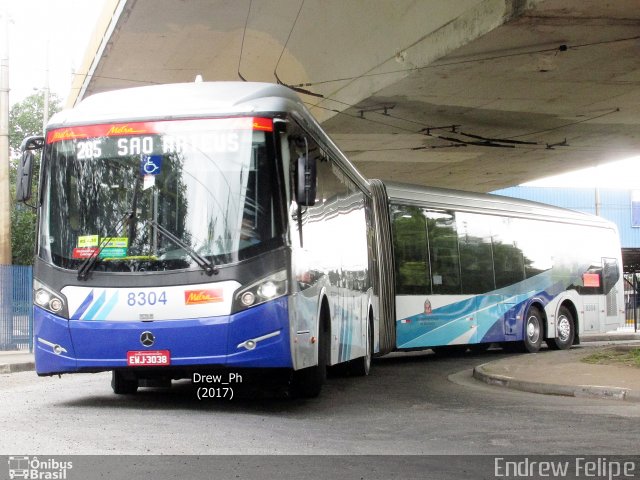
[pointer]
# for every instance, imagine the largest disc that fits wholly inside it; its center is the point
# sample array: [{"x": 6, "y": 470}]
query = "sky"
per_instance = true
[
  {"x": 66, "y": 24},
  {"x": 623, "y": 174}
]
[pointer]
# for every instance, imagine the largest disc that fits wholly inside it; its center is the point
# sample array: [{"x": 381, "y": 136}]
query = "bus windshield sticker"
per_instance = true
[
  {"x": 82, "y": 253},
  {"x": 148, "y": 182},
  {"x": 113, "y": 252},
  {"x": 115, "y": 242},
  {"x": 87, "y": 241},
  {"x": 150, "y": 164}
]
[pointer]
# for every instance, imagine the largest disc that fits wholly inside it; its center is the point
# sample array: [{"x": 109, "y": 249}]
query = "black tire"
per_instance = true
[
  {"x": 533, "y": 330},
  {"x": 307, "y": 383},
  {"x": 360, "y": 367},
  {"x": 122, "y": 385},
  {"x": 566, "y": 329}
]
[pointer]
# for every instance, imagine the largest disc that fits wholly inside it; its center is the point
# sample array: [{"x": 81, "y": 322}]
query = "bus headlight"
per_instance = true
[
  {"x": 265, "y": 289},
  {"x": 48, "y": 299}
]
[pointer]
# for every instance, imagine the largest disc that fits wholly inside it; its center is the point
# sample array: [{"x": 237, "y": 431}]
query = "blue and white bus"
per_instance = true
[{"x": 202, "y": 226}]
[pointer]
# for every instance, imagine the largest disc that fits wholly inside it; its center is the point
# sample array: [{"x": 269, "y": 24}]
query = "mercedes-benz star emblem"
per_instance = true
[{"x": 147, "y": 339}]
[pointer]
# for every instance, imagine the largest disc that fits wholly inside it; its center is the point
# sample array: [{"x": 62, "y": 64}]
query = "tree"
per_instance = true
[{"x": 25, "y": 119}]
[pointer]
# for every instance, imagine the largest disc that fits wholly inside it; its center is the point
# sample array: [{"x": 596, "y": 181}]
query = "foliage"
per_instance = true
[
  {"x": 25, "y": 119},
  {"x": 610, "y": 356}
]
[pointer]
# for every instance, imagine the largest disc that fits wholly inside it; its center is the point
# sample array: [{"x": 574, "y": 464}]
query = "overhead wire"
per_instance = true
[
  {"x": 284, "y": 47},
  {"x": 244, "y": 33}
]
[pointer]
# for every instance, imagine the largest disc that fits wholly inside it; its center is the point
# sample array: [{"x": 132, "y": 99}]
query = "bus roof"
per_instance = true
[
  {"x": 487, "y": 203},
  {"x": 180, "y": 100}
]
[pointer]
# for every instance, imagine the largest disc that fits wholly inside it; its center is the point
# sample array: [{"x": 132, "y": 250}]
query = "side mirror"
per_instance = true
[
  {"x": 24, "y": 175},
  {"x": 306, "y": 179}
]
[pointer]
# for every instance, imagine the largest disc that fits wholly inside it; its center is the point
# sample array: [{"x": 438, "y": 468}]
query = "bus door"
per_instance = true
[
  {"x": 509, "y": 314},
  {"x": 610, "y": 277},
  {"x": 496, "y": 317}
]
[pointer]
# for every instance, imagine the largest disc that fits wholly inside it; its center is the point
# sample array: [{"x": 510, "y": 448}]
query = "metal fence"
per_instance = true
[
  {"x": 632, "y": 300},
  {"x": 16, "y": 310}
]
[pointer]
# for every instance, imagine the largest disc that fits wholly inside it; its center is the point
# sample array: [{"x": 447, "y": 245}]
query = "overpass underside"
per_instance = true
[{"x": 471, "y": 94}]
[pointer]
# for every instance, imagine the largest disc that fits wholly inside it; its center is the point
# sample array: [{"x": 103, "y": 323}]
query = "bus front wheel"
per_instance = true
[
  {"x": 307, "y": 383},
  {"x": 566, "y": 331},
  {"x": 122, "y": 385}
]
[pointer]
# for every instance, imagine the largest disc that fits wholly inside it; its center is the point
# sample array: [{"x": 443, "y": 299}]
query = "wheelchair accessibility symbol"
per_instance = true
[{"x": 150, "y": 164}]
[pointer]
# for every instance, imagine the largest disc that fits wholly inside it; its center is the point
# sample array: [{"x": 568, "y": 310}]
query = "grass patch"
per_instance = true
[{"x": 609, "y": 356}]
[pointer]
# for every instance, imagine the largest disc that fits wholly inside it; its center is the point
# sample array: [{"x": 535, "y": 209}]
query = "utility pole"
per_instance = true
[
  {"x": 5, "y": 203},
  {"x": 45, "y": 92},
  {"x": 6, "y": 272},
  {"x": 45, "y": 106}
]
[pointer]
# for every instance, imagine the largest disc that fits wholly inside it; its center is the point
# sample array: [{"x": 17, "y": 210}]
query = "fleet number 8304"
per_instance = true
[{"x": 146, "y": 298}]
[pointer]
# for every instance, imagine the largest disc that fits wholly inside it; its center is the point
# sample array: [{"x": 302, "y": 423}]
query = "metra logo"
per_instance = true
[
  {"x": 66, "y": 134},
  {"x": 196, "y": 297},
  {"x": 123, "y": 130}
]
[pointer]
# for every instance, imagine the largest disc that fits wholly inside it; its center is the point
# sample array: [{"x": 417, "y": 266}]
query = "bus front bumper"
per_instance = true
[{"x": 254, "y": 338}]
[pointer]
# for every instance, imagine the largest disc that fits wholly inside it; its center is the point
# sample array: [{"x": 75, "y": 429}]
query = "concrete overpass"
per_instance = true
[{"x": 436, "y": 92}]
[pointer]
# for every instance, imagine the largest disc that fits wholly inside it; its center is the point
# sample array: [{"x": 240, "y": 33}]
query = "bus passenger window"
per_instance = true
[
  {"x": 443, "y": 252},
  {"x": 411, "y": 253},
  {"x": 476, "y": 258}
]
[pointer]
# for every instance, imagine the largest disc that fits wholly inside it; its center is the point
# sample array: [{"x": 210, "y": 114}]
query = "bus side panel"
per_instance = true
[
  {"x": 493, "y": 317},
  {"x": 329, "y": 260},
  {"x": 332, "y": 263}
]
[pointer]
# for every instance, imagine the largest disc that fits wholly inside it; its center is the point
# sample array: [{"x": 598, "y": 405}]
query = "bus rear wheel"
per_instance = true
[
  {"x": 123, "y": 385},
  {"x": 566, "y": 331},
  {"x": 533, "y": 330},
  {"x": 360, "y": 367}
]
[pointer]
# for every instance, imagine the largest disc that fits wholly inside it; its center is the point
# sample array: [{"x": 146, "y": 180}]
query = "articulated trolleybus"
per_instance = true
[{"x": 202, "y": 226}]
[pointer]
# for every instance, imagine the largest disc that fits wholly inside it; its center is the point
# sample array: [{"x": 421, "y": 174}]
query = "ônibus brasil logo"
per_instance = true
[{"x": 41, "y": 469}]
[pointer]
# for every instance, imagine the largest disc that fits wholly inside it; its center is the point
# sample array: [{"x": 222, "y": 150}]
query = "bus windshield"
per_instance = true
[{"x": 151, "y": 196}]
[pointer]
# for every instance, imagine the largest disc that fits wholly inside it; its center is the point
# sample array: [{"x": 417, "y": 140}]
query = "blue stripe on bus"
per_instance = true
[
  {"x": 104, "y": 312},
  {"x": 491, "y": 311},
  {"x": 90, "y": 315},
  {"x": 83, "y": 306}
]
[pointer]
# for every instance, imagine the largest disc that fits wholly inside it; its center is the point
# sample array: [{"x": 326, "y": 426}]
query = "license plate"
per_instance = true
[{"x": 148, "y": 358}]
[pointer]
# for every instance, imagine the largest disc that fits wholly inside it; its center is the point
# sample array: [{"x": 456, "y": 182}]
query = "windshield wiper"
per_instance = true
[
  {"x": 90, "y": 261},
  {"x": 206, "y": 265}
]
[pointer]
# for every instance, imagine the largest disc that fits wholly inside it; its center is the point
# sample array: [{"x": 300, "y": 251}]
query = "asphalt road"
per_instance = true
[{"x": 411, "y": 404}]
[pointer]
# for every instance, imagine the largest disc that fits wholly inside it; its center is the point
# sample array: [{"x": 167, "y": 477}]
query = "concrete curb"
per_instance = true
[
  {"x": 592, "y": 391},
  {"x": 17, "y": 367},
  {"x": 609, "y": 337}
]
